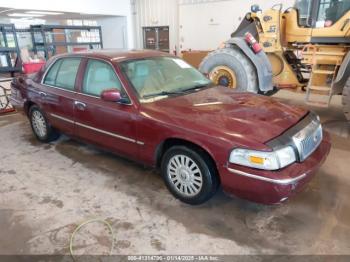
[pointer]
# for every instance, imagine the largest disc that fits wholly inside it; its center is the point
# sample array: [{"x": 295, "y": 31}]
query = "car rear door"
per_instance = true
[
  {"x": 108, "y": 124},
  {"x": 58, "y": 93}
]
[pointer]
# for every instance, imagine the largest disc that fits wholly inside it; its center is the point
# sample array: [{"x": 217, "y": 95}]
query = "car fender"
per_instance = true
[{"x": 186, "y": 139}]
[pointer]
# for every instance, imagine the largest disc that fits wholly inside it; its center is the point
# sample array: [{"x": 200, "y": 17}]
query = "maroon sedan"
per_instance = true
[{"x": 156, "y": 109}]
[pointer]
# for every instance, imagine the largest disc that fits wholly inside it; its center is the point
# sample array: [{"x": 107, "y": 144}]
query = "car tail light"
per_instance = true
[{"x": 251, "y": 41}]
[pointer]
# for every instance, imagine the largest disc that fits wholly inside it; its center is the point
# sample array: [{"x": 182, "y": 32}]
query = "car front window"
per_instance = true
[
  {"x": 163, "y": 76},
  {"x": 99, "y": 76}
]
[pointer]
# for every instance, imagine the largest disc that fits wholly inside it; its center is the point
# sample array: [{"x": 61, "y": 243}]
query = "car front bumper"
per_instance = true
[{"x": 273, "y": 187}]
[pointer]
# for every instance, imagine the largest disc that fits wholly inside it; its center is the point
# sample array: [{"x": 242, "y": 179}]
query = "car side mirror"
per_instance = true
[{"x": 111, "y": 95}]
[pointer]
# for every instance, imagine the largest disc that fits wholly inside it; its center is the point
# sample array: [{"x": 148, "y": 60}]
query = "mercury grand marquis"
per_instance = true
[{"x": 156, "y": 109}]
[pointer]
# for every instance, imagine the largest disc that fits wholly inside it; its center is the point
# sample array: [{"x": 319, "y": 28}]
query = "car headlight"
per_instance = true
[{"x": 263, "y": 160}]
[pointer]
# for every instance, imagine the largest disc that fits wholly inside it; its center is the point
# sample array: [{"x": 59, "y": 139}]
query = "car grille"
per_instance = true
[{"x": 308, "y": 139}]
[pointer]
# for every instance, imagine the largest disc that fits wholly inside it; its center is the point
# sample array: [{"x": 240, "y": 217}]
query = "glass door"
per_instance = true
[{"x": 156, "y": 38}]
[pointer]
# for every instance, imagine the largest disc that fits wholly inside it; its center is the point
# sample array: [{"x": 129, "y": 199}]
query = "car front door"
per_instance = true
[
  {"x": 108, "y": 124},
  {"x": 58, "y": 93}
]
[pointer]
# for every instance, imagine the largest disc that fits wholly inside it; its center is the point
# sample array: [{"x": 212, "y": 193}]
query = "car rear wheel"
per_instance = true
[
  {"x": 43, "y": 131},
  {"x": 189, "y": 175}
]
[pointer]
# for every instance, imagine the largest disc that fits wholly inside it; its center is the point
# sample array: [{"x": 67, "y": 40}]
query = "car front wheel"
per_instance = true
[
  {"x": 189, "y": 175},
  {"x": 40, "y": 126}
]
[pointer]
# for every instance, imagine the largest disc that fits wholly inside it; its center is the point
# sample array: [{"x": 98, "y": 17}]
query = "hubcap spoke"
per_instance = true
[{"x": 185, "y": 175}]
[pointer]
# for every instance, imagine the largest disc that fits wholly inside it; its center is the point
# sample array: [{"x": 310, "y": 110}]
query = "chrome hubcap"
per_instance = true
[
  {"x": 185, "y": 175},
  {"x": 39, "y": 124}
]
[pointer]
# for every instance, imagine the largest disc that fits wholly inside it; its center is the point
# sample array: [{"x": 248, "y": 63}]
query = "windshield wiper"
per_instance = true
[
  {"x": 199, "y": 86},
  {"x": 177, "y": 92},
  {"x": 164, "y": 93}
]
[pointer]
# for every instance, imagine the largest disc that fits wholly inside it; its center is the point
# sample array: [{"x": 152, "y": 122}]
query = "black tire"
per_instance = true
[
  {"x": 49, "y": 133},
  {"x": 238, "y": 62},
  {"x": 207, "y": 172},
  {"x": 346, "y": 99}
]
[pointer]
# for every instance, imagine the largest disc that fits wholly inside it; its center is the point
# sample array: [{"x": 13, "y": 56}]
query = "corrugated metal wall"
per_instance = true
[
  {"x": 184, "y": 18},
  {"x": 155, "y": 13}
]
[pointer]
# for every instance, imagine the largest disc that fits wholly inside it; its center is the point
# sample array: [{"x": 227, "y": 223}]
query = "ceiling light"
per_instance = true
[
  {"x": 24, "y": 15},
  {"x": 6, "y": 10},
  {"x": 44, "y": 13}
]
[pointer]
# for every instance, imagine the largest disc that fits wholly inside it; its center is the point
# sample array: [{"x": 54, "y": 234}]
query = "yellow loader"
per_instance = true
[{"x": 306, "y": 47}]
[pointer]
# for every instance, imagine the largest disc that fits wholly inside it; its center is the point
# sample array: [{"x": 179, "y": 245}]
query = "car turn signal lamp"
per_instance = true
[{"x": 263, "y": 160}]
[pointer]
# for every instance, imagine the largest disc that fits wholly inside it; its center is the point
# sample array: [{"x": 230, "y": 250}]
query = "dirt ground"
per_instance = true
[{"x": 47, "y": 190}]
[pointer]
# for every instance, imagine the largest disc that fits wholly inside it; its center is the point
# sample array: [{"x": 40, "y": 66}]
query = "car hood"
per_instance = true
[{"x": 220, "y": 112}]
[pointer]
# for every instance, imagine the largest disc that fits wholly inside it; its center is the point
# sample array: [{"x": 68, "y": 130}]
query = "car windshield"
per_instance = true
[{"x": 163, "y": 76}]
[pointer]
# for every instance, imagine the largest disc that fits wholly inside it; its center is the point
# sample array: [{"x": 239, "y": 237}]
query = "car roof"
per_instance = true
[{"x": 119, "y": 55}]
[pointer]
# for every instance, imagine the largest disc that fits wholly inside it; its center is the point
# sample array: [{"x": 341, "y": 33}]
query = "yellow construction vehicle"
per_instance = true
[{"x": 306, "y": 47}]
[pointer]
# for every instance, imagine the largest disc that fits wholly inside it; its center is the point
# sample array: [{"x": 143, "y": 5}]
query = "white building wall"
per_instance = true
[
  {"x": 114, "y": 32},
  {"x": 194, "y": 24},
  {"x": 155, "y": 13},
  {"x": 204, "y": 24}
]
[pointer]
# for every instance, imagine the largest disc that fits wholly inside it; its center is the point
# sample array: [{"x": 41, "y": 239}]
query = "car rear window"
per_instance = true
[
  {"x": 63, "y": 73},
  {"x": 51, "y": 75}
]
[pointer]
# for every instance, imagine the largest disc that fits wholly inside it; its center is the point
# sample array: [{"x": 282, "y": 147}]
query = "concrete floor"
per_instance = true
[{"x": 46, "y": 190}]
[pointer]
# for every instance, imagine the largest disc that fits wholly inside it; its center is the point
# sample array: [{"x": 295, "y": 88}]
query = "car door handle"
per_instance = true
[
  {"x": 79, "y": 105},
  {"x": 42, "y": 94}
]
